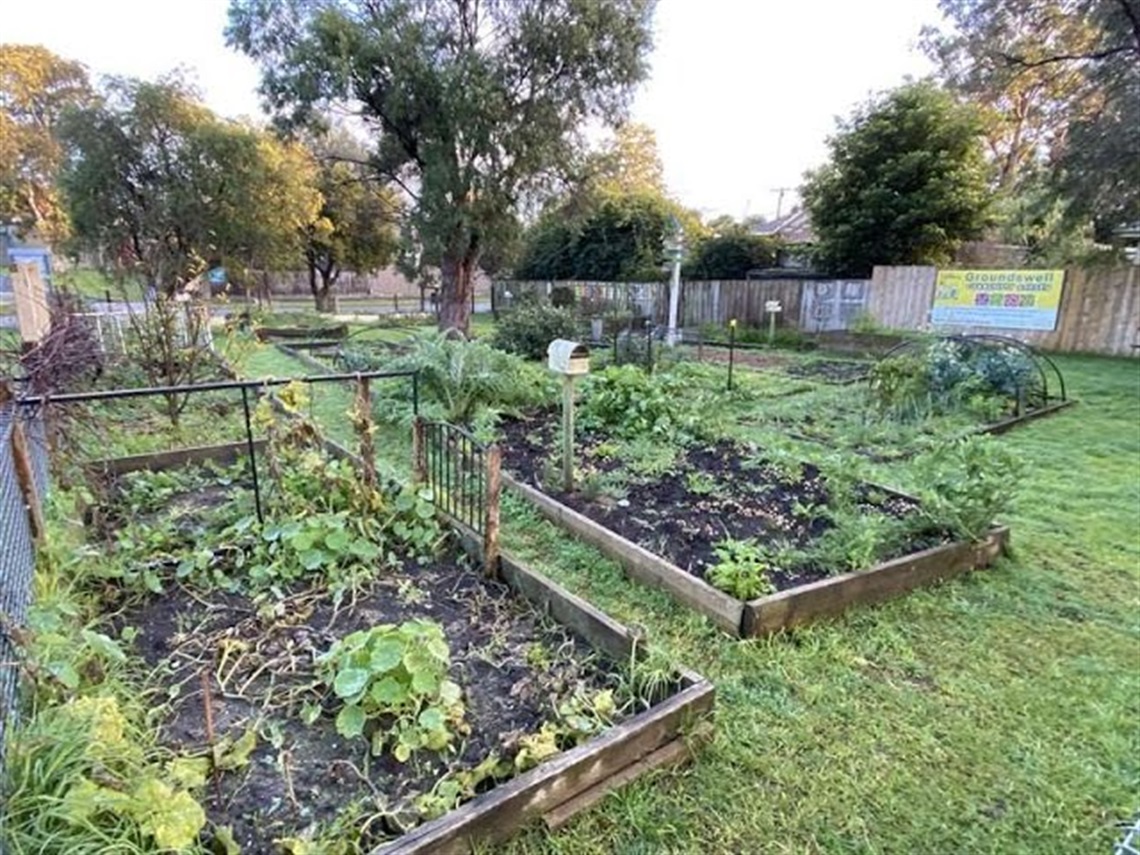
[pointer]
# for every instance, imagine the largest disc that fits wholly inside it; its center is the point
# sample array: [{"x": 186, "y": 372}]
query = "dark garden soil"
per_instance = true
[
  {"x": 711, "y": 493},
  {"x": 837, "y": 371},
  {"x": 259, "y": 662},
  {"x": 241, "y": 665},
  {"x": 749, "y": 358}
]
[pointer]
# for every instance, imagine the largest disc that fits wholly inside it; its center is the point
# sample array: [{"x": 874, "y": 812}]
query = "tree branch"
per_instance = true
[{"x": 1065, "y": 57}]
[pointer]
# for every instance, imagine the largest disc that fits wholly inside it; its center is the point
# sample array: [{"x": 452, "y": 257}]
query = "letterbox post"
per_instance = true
[
  {"x": 568, "y": 433},
  {"x": 569, "y": 359}
]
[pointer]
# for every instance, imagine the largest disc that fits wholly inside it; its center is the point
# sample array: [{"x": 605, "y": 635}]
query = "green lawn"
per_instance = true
[
  {"x": 998, "y": 713},
  {"x": 94, "y": 284}
]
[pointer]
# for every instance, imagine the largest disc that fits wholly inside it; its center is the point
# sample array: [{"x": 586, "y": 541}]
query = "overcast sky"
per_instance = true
[{"x": 742, "y": 96}]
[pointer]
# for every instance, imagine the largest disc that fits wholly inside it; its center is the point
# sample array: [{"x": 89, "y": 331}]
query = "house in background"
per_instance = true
[{"x": 796, "y": 237}]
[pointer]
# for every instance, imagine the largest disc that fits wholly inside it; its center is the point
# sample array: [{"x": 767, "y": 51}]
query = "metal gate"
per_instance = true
[{"x": 463, "y": 475}]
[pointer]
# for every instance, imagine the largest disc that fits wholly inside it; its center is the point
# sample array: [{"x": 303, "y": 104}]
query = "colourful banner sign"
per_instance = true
[{"x": 1006, "y": 299}]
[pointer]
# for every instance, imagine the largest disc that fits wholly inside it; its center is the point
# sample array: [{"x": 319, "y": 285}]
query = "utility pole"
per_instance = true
[
  {"x": 780, "y": 191},
  {"x": 675, "y": 248}
]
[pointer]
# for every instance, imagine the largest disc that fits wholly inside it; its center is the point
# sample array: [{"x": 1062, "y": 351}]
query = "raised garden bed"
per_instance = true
[
  {"x": 336, "y": 331},
  {"x": 241, "y": 671},
  {"x": 838, "y": 371},
  {"x": 668, "y": 529}
]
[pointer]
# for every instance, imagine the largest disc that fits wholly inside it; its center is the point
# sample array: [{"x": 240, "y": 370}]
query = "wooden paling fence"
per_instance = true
[{"x": 1099, "y": 311}]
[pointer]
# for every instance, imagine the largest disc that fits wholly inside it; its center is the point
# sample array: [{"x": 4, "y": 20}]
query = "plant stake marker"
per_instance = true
[{"x": 773, "y": 308}]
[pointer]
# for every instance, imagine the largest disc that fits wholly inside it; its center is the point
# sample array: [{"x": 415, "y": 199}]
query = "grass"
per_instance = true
[
  {"x": 94, "y": 284},
  {"x": 996, "y": 713}
]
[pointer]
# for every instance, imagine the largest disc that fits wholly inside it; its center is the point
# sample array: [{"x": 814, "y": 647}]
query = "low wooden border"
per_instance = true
[
  {"x": 224, "y": 454},
  {"x": 308, "y": 360},
  {"x": 834, "y": 595},
  {"x": 786, "y": 609},
  {"x": 337, "y": 331},
  {"x": 665, "y": 735},
  {"x": 1014, "y": 421}
]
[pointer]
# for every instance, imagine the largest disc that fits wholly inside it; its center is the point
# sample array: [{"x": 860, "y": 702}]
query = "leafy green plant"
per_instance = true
[
  {"x": 579, "y": 717},
  {"x": 395, "y": 678},
  {"x": 627, "y": 402},
  {"x": 966, "y": 485},
  {"x": 949, "y": 374},
  {"x": 529, "y": 329},
  {"x": 79, "y": 781},
  {"x": 900, "y": 386},
  {"x": 742, "y": 569},
  {"x": 461, "y": 380},
  {"x": 459, "y": 786},
  {"x": 857, "y": 540}
]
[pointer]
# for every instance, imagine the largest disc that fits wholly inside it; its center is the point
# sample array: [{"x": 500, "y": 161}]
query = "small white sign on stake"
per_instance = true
[{"x": 773, "y": 308}]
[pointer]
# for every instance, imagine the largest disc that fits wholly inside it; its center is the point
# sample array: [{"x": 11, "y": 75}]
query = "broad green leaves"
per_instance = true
[{"x": 395, "y": 676}]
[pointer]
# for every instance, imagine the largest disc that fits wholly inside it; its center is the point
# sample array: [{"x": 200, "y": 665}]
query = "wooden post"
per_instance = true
[
  {"x": 491, "y": 524},
  {"x": 25, "y": 477},
  {"x": 30, "y": 296},
  {"x": 568, "y": 433},
  {"x": 365, "y": 429},
  {"x": 419, "y": 451}
]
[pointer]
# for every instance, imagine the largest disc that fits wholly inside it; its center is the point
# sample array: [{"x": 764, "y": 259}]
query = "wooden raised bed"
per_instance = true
[
  {"x": 573, "y": 781},
  {"x": 337, "y": 331},
  {"x": 1013, "y": 421},
  {"x": 783, "y": 610}
]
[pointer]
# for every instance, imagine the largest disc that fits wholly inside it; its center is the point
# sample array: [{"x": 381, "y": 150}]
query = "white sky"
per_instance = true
[{"x": 742, "y": 94}]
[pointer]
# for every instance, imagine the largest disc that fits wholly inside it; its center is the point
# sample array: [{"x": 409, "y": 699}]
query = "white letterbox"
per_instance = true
[{"x": 568, "y": 358}]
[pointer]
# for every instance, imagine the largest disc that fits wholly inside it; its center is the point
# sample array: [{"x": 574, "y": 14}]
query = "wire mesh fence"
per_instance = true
[{"x": 21, "y": 435}]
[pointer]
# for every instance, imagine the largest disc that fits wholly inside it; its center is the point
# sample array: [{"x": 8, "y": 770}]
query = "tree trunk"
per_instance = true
[
  {"x": 455, "y": 294},
  {"x": 321, "y": 291}
]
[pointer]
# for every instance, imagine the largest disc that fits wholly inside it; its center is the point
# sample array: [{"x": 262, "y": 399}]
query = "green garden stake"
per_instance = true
[{"x": 731, "y": 350}]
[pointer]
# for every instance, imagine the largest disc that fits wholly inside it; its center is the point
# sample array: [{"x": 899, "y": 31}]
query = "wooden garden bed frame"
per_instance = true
[
  {"x": 783, "y": 610},
  {"x": 666, "y": 735}
]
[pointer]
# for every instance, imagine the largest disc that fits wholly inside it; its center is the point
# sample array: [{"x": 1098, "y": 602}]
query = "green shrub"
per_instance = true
[
  {"x": 626, "y": 402},
  {"x": 900, "y": 386},
  {"x": 461, "y": 380},
  {"x": 563, "y": 297},
  {"x": 967, "y": 484},
  {"x": 529, "y": 329}
]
